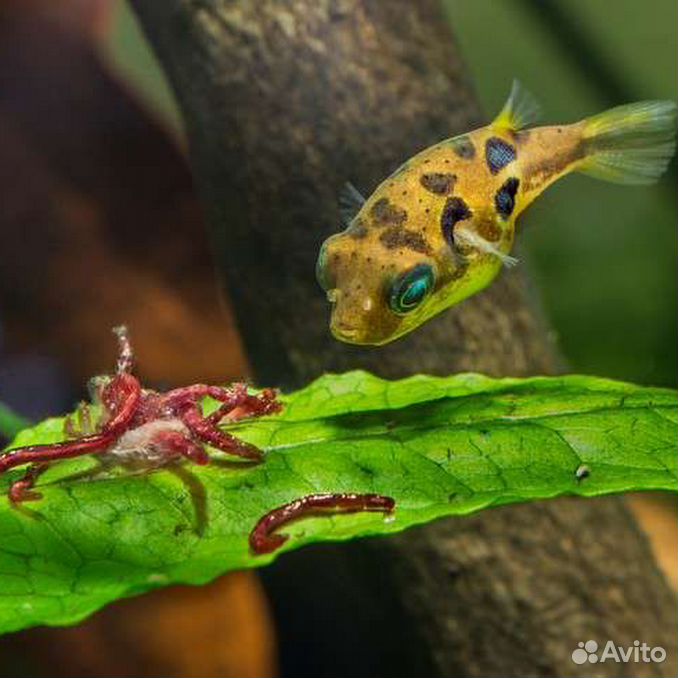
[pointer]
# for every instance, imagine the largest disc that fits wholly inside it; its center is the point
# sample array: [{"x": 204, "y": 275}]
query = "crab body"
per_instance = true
[{"x": 145, "y": 428}]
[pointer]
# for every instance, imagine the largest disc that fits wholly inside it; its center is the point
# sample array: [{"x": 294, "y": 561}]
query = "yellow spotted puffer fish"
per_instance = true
[{"x": 440, "y": 227}]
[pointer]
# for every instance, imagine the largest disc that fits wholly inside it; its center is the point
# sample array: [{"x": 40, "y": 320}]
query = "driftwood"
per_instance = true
[{"x": 283, "y": 102}]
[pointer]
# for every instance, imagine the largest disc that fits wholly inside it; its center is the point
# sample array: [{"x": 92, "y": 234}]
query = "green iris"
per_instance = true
[{"x": 410, "y": 289}]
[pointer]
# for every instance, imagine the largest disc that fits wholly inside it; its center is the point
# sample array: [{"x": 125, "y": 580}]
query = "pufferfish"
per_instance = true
[{"x": 439, "y": 229}]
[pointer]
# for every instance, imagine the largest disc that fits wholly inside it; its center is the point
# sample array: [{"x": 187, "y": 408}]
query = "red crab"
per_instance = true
[{"x": 148, "y": 429}]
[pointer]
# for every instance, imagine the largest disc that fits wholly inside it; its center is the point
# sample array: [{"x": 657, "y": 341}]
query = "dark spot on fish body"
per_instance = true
[
  {"x": 539, "y": 173},
  {"x": 455, "y": 210},
  {"x": 461, "y": 266},
  {"x": 522, "y": 136},
  {"x": 489, "y": 230},
  {"x": 552, "y": 166},
  {"x": 505, "y": 197},
  {"x": 440, "y": 183},
  {"x": 394, "y": 238},
  {"x": 463, "y": 147},
  {"x": 498, "y": 154},
  {"x": 385, "y": 213},
  {"x": 357, "y": 230}
]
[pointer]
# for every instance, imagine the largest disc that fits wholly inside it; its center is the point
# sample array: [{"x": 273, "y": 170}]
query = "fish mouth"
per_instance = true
[
  {"x": 352, "y": 335},
  {"x": 346, "y": 333}
]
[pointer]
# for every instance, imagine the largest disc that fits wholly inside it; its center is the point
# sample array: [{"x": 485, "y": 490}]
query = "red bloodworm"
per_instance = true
[{"x": 262, "y": 537}]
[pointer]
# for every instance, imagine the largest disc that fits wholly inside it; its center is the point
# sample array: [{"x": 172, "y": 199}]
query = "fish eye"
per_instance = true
[{"x": 410, "y": 289}]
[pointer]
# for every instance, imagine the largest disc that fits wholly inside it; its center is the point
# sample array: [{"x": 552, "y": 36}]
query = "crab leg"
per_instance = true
[
  {"x": 125, "y": 393},
  {"x": 189, "y": 395},
  {"x": 235, "y": 401},
  {"x": 258, "y": 405},
  {"x": 250, "y": 406},
  {"x": 204, "y": 429},
  {"x": 125, "y": 352},
  {"x": 262, "y": 539},
  {"x": 177, "y": 443},
  {"x": 20, "y": 490}
]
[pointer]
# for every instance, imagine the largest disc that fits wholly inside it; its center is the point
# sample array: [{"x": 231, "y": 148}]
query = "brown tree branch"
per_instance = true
[{"x": 284, "y": 101}]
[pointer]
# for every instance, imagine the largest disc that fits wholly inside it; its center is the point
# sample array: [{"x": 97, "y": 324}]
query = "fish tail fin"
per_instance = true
[{"x": 629, "y": 144}]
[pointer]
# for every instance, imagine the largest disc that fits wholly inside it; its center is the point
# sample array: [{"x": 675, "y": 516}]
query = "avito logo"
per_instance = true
[{"x": 637, "y": 653}]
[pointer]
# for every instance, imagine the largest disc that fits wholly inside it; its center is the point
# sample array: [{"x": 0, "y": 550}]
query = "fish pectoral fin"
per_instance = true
[
  {"x": 520, "y": 110},
  {"x": 351, "y": 202},
  {"x": 472, "y": 239}
]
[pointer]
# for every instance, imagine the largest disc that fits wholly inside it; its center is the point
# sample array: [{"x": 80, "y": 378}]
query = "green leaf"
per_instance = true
[
  {"x": 439, "y": 446},
  {"x": 11, "y": 423}
]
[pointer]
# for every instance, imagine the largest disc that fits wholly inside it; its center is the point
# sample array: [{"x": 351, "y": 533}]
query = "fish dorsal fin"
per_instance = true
[
  {"x": 350, "y": 203},
  {"x": 520, "y": 110}
]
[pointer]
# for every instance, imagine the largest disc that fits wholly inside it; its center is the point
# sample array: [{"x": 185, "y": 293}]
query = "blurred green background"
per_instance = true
[{"x": 602, "y": 257}]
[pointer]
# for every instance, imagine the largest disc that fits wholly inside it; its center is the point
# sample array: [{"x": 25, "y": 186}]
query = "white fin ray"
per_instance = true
[
  {"x": 350, "y": 203},
  {"x": 472, "y": 239}
]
